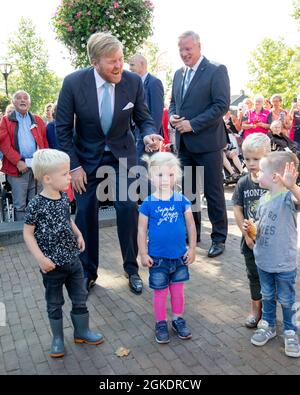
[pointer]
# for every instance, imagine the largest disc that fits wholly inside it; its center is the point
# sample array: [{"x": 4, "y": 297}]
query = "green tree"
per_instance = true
[
  {"x": 4, "y": 102},
  {"x": 30, "y": 71},
  {"x": 169, "y": 81},
  {"x": 275, "y": 68},
  {"x": 150, "y": 51},
  {"x": 75, "y": 20},
  {"x": 296, "y": 13}
]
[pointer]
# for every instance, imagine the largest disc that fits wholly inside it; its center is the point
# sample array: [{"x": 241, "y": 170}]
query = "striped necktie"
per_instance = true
[{"x": 187, "y": 80}]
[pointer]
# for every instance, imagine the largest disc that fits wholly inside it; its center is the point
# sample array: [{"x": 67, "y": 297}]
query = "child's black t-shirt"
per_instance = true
[
  {"x": 247, "y": 194},
  {"x": 53, "y": 231}
]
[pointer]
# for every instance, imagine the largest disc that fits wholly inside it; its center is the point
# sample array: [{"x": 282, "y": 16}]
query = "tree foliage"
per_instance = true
[
  {"x": 296, "y": 13},
  {"x": 150, "y": 51},
  {"x": 75, "y": 20},
  {"x": 4, "y": 102},
  {"x": 275, "y": 68},
  {"x": 30, "y": 66}
]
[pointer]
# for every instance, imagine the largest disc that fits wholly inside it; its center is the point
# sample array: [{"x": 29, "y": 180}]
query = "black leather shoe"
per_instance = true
[
  {"x": 135, "y": 284},
  {"x": 216, "y": 249}
]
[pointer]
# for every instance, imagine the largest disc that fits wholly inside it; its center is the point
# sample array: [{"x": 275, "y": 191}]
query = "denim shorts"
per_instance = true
[{"x": 166, "y": 271}]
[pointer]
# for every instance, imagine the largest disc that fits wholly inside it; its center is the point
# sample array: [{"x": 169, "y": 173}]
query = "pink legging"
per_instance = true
[{"x": 160, "y": 301}]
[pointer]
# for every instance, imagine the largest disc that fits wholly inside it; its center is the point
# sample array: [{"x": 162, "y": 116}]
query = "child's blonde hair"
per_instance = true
[
  {"x": 46, "y": 161},
  {"x": 277, "y": 160},
  {"x": 257, "y": 142},
  {"x": 275, "y": 123},
  {"x": 162, "y": 159}
]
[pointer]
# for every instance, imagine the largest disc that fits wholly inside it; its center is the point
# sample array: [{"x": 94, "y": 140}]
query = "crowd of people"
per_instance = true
[{"x": 110, "y": 118}]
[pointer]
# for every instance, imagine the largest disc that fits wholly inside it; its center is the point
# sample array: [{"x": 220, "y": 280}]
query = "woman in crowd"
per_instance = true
[
  {"x": 277, "y": 113},
  {"x": 257, "y": 118}
]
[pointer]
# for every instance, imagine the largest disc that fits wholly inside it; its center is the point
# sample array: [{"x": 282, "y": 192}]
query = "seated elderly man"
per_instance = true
[{"x": 21, "y": 134}]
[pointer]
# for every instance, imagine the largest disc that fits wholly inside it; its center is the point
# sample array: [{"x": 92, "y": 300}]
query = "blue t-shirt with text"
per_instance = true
[{"x": 166, "y": 225}]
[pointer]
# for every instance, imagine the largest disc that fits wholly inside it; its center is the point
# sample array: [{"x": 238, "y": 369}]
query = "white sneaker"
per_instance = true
[
  {"x": 263, "y": 334},
  {"x": 291, "y": 344}
]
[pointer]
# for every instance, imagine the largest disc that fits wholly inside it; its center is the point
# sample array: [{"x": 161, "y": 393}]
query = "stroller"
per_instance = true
[
  {"x": 6, "y": 202},
  {"x": 232, "y": 146}
]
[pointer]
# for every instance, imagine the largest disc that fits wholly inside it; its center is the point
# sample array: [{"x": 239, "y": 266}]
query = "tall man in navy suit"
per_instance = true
[
  {"x": 200, "y": 99},
  {"x": 154, "y": 95},
  {"x": 100, "y": 100}
]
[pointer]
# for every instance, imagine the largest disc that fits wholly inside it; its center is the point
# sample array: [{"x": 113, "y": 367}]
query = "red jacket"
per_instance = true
[
  {"x": 9, "y": 141},
  {"x": 165, "y": 124}
]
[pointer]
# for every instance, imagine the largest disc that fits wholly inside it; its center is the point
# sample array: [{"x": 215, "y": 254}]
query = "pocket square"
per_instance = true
[{"x": 128, "y": 106}]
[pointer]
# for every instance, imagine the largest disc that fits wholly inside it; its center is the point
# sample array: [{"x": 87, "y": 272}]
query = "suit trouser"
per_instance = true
[
  {"x": 23, "y": 188},
  {"x": 127, "y": 220},
  {"x": 212, "y": 163}
]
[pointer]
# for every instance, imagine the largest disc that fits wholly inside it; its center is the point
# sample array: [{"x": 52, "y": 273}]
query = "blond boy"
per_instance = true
[
  {"x": 55, "y": 242},
  {"x": 245, "y": 200}
]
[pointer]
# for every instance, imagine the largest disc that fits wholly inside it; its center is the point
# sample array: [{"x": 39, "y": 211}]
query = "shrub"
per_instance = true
[{"x": 129, "y": 20}]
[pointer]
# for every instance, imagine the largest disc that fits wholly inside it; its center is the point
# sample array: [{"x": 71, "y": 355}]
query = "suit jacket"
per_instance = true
[
  {"x": 206, "y": 101},
  {"x": 85, "y": 143},
  {"x": 154, "y": 94}
]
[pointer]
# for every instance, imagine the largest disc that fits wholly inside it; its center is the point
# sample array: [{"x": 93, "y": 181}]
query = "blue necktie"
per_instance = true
[
  {"x": 187, "y": 81},
  {"x": 106, "y": 110}
]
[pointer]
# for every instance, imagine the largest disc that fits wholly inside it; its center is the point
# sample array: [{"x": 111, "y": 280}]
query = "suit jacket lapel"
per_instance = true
[
  {"x": 120, "y": 102},
  {"x": 180, "y": 85},
  {"x": 196, "y": 77},
  {"x": 146, "y": 82},
  {"x": 90, "y": 92},
  {"x": 91, "y": 97}
]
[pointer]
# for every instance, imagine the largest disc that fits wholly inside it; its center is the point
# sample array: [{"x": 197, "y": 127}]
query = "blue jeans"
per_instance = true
[
  {"x": 279, "y": 286},
  {"x": 166, "y": 271},
  {"x": 70, "y": 275}
]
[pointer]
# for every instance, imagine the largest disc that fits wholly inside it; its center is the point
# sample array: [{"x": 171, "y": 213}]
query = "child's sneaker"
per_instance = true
[
  {"x": 291, "y": 344},
  {"x": 162, "y": 332},
  {"x": 179, "y": 326},
  {"x": 263, "y": 333}
]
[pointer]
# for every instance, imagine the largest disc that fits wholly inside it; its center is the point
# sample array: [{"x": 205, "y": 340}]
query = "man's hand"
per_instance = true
[
  {"x": 46, "y": 265},
  {"x": 79, "y": 180},
  {"x": 22, "y": 167},
  {"x": 184, "y": 126},
  {"x": 175, "y": 120},
  {"x": 152, "y": 142}
]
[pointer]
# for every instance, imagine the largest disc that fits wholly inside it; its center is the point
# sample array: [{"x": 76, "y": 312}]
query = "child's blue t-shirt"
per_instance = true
[{"x": 166, "y": 225}]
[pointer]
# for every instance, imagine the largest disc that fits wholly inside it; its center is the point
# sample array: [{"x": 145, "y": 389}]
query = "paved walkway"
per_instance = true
[{"x": 216, "y": 305}]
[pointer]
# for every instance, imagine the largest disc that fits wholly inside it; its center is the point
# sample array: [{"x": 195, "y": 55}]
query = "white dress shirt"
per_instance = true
[
  {"x": 144, "y": 77},
  {"x": 194, "y": 68},
  {"x": 99, "y": 84}
]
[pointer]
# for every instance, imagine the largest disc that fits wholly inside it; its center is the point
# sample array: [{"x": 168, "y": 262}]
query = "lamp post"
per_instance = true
[{"x": 5, "y": 69}]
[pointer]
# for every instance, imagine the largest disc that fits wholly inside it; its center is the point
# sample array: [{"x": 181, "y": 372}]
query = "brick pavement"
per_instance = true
[{"x": 217, "y": 298}]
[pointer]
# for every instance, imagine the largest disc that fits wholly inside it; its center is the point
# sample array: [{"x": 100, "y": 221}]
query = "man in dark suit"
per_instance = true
[
  {"x": 154, "y": 95},
  {"x": 200, "y": 99},
  {"x": 101, "y": 99}
]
